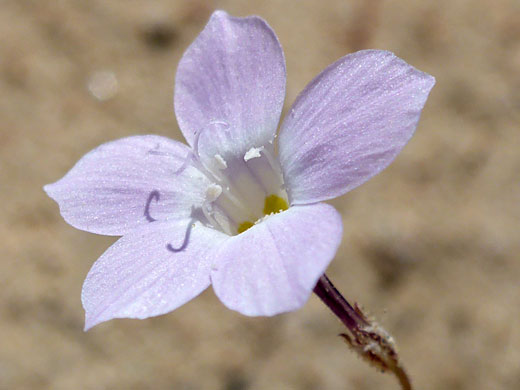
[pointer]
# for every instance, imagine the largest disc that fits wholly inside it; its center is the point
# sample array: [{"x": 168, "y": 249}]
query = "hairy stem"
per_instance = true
[{"x": 364, "y": 336}]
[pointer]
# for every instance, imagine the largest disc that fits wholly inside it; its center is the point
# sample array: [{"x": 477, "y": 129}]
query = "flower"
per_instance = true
[{"x": 227, "y": 210}]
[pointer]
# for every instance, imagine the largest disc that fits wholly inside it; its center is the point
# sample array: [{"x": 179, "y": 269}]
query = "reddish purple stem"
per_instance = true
[
  {"x": 363, "y": 333},
  {"x": 338, "y": 304}
]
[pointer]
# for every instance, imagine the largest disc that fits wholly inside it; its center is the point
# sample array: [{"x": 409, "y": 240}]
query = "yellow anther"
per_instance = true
[
  {"x": 274, "y": 204},
  {"x": 244, "y": 226}
]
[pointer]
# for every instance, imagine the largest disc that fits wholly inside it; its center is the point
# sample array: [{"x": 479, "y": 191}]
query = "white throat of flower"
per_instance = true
[{"x": 243, "y": 190}]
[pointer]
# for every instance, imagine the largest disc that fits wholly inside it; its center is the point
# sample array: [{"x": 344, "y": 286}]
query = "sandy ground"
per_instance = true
[{"x": 430, "y": 245}]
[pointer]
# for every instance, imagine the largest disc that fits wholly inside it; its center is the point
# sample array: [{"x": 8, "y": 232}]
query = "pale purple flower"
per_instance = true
[{"x": 228, "y": 210}]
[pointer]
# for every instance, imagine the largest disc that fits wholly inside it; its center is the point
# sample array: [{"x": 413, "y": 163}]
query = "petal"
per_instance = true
[
  {"x": 127, "y": 183},
  {"x": 349, "y": 123},
  {"x": 273, "y": 267},
  {"x": 231, "y": 80},
  {"x": 139, "y": 277}
]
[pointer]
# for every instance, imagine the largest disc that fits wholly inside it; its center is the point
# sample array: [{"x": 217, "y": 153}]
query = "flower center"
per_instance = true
[{"x": 244, "y": 190}]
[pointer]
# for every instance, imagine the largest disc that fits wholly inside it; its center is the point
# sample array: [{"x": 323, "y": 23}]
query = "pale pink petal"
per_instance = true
[
  {"x": 127, "y": 183},
  {"x": 150, "y": 271},
  {"x": 230, "y": 86},
  {"x": 273, "y": 267},
  {"x": 349, "y": 123}
]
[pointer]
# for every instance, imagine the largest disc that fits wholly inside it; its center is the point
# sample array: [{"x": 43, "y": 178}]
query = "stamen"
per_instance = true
[
  {"x": 197, "y": 135},
  {"x": 212, "y": 176},
  {"x": 213, "y": 192},
  {"x": 209, "y": 217},
  {"x": 225, "y": 185},
  {"x": 221, "y": 163},
  {"x": 274, "y": 204},
  {"x": 216, "y": 176},
  {"x": 253, "y": 153},
  {"x": 225, "y": 213},
  {"x": 244, "y": 226},
  {"x": 272, "y": 161},
  {"x": 196, "y": 143},
  {"x": 154, "y": 195},
  {"x": 226, "y": 189},
  {"x": 223, "y": 220},
  {"x": 206, "y": 172},
  {"x": 212, "y": 220}
]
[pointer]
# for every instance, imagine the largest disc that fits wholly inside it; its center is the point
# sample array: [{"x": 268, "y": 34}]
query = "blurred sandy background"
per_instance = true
[{"x": 431, "y": 246}]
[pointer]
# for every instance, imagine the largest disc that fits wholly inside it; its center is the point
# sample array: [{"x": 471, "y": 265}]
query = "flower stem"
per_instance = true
[{"x": 364, "y": 336}]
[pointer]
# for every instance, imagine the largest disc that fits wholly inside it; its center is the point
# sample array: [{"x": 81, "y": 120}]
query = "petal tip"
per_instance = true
[
  {"x": 50, "y": 190},
  {"x": 54, "y": 192},
  {"x": 91, "y": 322},
  {"x": 96, "y": 317},
  {"x": 430, "y": 81},
  {"x": 219, "y": 13}
]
